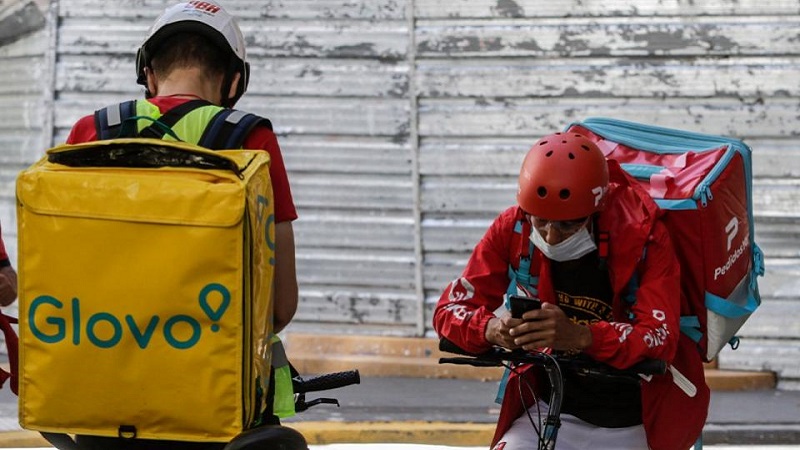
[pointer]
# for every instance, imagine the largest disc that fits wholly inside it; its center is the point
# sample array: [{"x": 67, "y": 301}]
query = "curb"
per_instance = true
[
  {"x": 454, "y": 434},
  {"x": 746, "y": 434},
  {"x": 431, "y": 433},
  {"x": 322, "y": 433},
  {"x": 22, "y": 439}
]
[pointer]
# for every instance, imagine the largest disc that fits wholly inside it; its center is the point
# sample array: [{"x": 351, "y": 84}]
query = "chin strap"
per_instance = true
[{"x": 227, "y": 84}]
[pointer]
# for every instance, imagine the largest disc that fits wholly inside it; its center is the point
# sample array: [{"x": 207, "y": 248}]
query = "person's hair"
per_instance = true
[{"x": 185, "y": 50}]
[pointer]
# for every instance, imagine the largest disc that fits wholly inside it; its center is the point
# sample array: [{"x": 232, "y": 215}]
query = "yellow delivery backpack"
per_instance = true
[{"x": 145, "y": 283}]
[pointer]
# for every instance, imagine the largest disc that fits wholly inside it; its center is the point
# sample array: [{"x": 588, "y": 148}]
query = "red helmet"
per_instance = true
[{"x": 564, "y": 177}]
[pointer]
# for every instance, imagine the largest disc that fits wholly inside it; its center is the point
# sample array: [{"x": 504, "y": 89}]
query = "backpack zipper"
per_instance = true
[{"x": 676, "y": 141}]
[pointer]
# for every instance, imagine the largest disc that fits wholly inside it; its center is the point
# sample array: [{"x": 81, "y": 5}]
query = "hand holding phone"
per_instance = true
[{"x": 519, "y": 305}]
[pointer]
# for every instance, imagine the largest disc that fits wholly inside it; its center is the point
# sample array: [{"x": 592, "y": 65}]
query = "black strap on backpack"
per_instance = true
[
  {"x": 229, "y": 129},
  {"x": 61, "y": 441},
  {"x": 108, "y": 122},
  {"x": 117, "y": 121}
]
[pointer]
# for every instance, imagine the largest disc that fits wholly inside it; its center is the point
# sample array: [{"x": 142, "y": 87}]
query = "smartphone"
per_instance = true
[{"x": 520, "y": 305}]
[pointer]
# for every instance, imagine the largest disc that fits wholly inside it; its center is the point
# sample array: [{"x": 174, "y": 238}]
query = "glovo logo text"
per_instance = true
[
  {"x": 105, "y": 330},
  {"x": 267, "y": 222}
]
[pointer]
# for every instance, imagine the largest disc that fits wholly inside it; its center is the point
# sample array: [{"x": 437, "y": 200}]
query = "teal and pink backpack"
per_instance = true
[{"x": 703, "y": 183}]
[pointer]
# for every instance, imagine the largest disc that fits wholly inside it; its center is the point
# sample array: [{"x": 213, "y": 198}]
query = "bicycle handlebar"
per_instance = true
[
  {"x": 271, "y": 435},
  {"x": 498, "y": 356},
  {"x": 446, "y": 345},
  {"x": 326, "y": 382}
]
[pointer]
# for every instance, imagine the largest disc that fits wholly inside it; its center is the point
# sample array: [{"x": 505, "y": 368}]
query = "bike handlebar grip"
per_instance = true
[
  {"x": 469, "y": 362},
  {"x": 448, "y": 346},
  {"x": 649, "y": 367},
  {"x": 326, "y": 382}
]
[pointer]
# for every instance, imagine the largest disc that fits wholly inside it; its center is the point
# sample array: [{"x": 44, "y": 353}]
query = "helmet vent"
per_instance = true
[
  {"x": 585, "y": 147},
  {"x": 549, "y": 154},
  {"x": 571, "y": 155},
  {"x": 541, "y": 192},
  {"x": 564, "y": 194}
]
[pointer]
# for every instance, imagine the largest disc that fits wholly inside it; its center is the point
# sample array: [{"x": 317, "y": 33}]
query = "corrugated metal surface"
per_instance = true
[
  {"x": 22, "y": 119},
  {"x": 493, "y": 76},
  {"x": 403, "y": 124},
  {"x": 600, "y": 8}
]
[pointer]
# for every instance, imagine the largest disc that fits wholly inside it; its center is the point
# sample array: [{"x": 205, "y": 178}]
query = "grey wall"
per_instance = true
[{"x": 403, "y": 123}]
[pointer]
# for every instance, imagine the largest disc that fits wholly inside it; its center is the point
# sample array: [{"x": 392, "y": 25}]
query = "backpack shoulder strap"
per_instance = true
[
  {"x": 633, "y": 286},
  {"x": 108, "y": 121},
  {"x": 230, "y": 128},
  {"x": 633, "y": 283},
  {"x": 521, "y": 276}
]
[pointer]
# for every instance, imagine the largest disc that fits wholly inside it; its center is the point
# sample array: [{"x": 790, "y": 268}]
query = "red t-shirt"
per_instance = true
[{"x": 260, "y": 138}]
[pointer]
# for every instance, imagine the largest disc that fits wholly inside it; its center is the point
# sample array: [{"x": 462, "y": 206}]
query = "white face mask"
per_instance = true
[{"x": 573, "y": 247}]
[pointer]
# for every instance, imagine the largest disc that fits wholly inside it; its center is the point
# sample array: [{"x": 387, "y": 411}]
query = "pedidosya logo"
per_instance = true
[{"x": 105, "y": 330}]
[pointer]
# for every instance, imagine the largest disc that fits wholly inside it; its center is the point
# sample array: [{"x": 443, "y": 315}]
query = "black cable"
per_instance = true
[
  {"x": 542, "y": 443},
  {"x": 552, "y": 413},
  {"x": 522, "y": 379}
]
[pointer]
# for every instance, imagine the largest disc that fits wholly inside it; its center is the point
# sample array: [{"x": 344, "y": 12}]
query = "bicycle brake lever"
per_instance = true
[{"x": 317, "y": 401}]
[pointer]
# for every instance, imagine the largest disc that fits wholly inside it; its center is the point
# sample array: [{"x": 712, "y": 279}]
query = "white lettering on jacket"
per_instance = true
[
  {"x": 461, "y": 290},
  {"x": 624, "y": 329},
  {"x": 656, "y": 337},
  {"x": 459, "y": 312}
]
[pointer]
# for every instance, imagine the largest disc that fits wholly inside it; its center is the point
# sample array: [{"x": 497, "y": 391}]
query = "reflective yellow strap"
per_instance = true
[
  {"x": 283, "y": 402},
  {"x": 190, "y": 128}
]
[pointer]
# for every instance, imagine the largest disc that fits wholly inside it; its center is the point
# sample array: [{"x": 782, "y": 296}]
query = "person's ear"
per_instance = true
[
  {"x": 152, "y": 81},
  {"x": 234, "y": 83}
]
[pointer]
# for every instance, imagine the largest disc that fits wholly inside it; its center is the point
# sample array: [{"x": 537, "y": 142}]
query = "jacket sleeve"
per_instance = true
[
  {"x": 3, "y": 255},
  {"x": 655, "y": 328},
  {"x": 467, "y": 304}
]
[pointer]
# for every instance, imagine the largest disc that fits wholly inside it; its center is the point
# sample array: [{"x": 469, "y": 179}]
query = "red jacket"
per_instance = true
[
  {"x": 3, "y": 255},
  {"x": 672, "y": 419}
]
